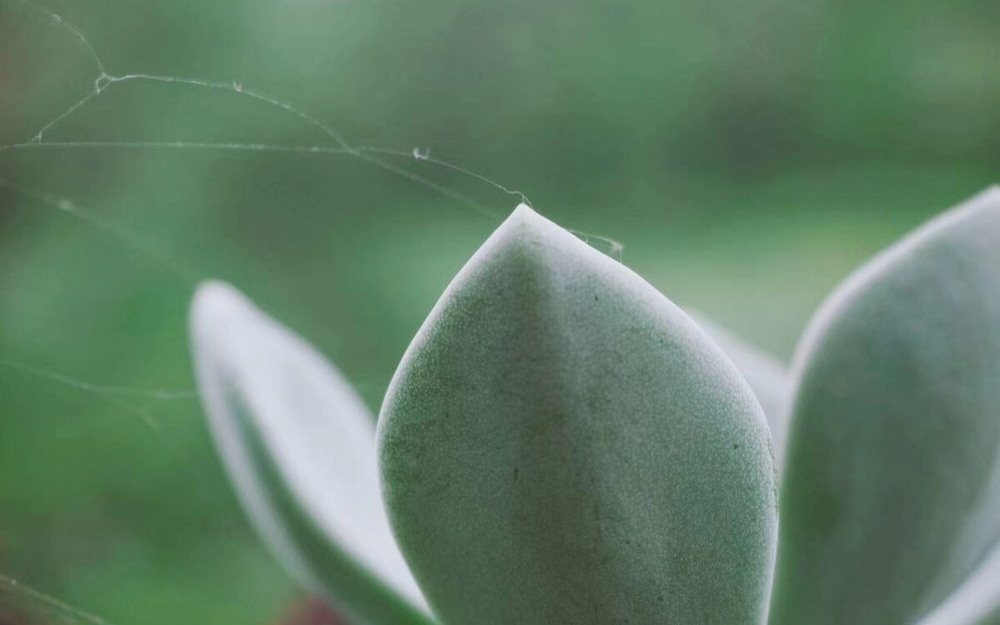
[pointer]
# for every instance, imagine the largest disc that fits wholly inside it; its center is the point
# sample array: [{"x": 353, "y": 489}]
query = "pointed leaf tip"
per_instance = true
[
  {"x": 523, "y": 211},
  {"x": 891, "y": 492},
  {"x": 561, "y": 444},
  {"x": 299, "y": 445}
]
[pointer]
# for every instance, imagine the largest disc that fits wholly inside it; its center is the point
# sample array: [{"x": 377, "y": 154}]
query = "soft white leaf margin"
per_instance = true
[
  {"x": 318, "y": 430},
  {"x": 976, "y": 602},
  {"x": 767, "y": 376}
]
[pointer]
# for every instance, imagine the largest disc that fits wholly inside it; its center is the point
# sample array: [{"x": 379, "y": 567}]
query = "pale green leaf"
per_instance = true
[
  {"x": 977, "y": 600},
  {"x": 891, "y": 491},
  {"x": 561, "y": 444},
  {"x": 299, "y": 446},
  {"x": 767, "y": 376}
]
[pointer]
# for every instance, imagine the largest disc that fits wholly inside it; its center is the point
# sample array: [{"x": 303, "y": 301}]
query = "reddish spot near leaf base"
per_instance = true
[
  {"x": 310, "y": 611},
  {"x": 8, "y": 617}
]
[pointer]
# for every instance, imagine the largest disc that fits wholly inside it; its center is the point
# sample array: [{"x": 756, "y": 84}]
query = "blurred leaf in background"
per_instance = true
[{"x": 747, "y": 155}]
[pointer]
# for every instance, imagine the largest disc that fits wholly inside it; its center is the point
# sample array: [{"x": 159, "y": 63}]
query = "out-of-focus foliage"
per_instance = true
[{"x": 747, "y": 154}]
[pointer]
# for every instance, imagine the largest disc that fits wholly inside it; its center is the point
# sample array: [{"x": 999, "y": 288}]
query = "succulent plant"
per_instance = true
[{"x": 562, "y": 444}]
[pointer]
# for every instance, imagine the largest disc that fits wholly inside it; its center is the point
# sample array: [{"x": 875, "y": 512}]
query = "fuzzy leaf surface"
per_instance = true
[
  {"x": 561, "y": 444},
  {"x": 891, "y": 491},
  {"x": 768, "y": 377},
  {"x": 299, "y": 446}
]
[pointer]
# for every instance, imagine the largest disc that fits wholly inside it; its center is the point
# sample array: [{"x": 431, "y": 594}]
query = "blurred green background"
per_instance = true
[{"x": 747, "y": 154}]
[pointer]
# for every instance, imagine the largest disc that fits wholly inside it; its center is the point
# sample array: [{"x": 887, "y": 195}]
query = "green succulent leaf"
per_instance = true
[
  {"x": 891, "y": 491},
  {"x": 976, "y": 602},
  {"x": 561, "y": 444},
  {"x": 767, "y": 376},
  {"x": 299, "y": 446}
]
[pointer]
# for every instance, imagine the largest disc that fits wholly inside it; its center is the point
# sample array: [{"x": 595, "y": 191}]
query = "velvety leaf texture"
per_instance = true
[
  {"x": 891, "y": 492},
  {"x": 767, "y": 376},
  {"x": 561, "y": 444},
  {"x": 299, "y": 446}
]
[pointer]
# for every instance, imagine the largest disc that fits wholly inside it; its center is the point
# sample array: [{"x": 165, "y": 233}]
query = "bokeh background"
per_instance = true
[{"x": 747, "y": 154}]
